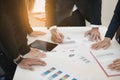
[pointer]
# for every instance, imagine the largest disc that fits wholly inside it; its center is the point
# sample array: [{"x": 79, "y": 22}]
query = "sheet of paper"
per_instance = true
[
  {"x": 59, "y": 63},
  {"x": 106, "y": 57},
  {"x": 57, "y": 68},
  {"x": 68, "y": 40}
]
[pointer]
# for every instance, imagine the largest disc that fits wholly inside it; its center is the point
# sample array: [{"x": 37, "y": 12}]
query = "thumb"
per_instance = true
[
  {"x": 29, "y": 67},
  {"x": 86, "y": 33}
]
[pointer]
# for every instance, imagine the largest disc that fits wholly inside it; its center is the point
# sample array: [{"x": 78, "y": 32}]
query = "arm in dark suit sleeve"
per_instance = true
[
  {"x": 6, "y": 31},
  {"x": 50, "y": 10},
  {"x": 8, "y": 41},
  {"x": 24, "y": 14},
  {"x": 115, "y": 22}
]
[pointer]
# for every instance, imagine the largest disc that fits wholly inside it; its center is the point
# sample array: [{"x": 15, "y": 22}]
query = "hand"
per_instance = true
[
  {"x": 36, "y": 33},
  {"x": 57, "y": 36},
  {"x": 35, "y": 54},
  {"x": 115, "y": 65},
  {"x": 103, "y": 44},
  {"x": 27, "y": 63},
  {"x": 94, "y": 34}
]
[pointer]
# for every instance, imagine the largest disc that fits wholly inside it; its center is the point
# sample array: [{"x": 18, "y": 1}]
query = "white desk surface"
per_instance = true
[{"x": 82, "y": 71}]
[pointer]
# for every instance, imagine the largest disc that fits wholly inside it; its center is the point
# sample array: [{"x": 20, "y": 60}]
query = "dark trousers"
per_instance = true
[
  {"x": 8, "y": 67},
  {"x": 76, "y": 19},
  {"x": 65, "y": 16}
]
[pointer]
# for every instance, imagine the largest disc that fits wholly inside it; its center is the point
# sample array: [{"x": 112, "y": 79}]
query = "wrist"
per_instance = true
[
  {"x": 18, "y": 59},
  {"x": 95, "y": 28},
  {"x": 107, "y": 39},
  {"x": 53, "y": 28}
]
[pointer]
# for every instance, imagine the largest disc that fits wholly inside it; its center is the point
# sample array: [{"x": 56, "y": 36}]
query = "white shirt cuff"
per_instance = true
[
  {"x": 95, "y": 26},
  {"x": 53, "y": 27}
]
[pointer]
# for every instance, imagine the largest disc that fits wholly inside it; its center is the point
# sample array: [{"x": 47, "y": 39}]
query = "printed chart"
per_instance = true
[{"x": 53, "y": 73}]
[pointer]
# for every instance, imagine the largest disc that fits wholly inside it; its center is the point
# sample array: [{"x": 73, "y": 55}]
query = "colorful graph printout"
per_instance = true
[
  {"x": 48, "y": 71},
  {"x": 65, "y": 77},
  {"x": 52, "y": 75},
  {"x": 55, "y": 75}
]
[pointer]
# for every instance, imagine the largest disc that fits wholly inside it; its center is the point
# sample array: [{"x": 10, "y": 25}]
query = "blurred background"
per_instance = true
[{"x": 37, "y": 14}]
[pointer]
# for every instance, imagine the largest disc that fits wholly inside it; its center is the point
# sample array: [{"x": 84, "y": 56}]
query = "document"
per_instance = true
[{"x": 106, "y": 57}]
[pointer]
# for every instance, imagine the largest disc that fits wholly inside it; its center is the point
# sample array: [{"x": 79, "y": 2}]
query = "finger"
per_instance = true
[
  {"x": 57, "y": 35},
  {"x": 87, "y": 33},
  {"x": 110, "y": 66},
  {"x": 29, "y": 67},
  {"x": 35, "y": 53},
  {"x": 94, "y": 46},
  {"x": 114, "y": 66},
  {"x": 37, "y": 62},
  {"x": 117, "y": 60},
  {"x": 43, "y": 63},
  {"x": 42, "y": 55},
  {"x": 117, "y": 68},
  {"x": 62, "y": 36},
  {"x": 26, "y": 66},
  {"x": 99, "y": 46},
  {"x": 105, "y": 46},
  {"x": 55, "y": 39},
  {"x": 92, "y": 37},
  {"x": 97, "y": 39}
]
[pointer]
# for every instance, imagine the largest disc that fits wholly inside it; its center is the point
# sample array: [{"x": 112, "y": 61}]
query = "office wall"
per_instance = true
[
  {"x": 39, "y": 6},
  {"x": 108, "y": 7}
]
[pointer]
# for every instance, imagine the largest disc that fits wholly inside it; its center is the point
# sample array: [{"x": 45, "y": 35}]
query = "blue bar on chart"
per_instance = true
[
  {"x": 65, "y": 77},
  {"x": 74, "y": 79},
  {"x": 48, "y": 71},
  {"x": 55, "y": 75}
]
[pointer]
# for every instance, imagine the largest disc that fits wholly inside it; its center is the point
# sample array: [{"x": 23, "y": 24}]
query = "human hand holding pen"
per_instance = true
[{"x": 56, "y": 36}]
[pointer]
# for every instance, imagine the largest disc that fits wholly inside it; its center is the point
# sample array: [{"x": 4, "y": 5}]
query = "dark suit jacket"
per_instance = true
[
  {"x": 13, "y": 22},
  {"x": 115, "y": 23},
  {"x": 90, "y": 9},
  {"x": 1, "y": 72}
]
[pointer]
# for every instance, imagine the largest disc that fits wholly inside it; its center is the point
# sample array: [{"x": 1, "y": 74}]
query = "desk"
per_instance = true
[{"x": 62, "y": 60}]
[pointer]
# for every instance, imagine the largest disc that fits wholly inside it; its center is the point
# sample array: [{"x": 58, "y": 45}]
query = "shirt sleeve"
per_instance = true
[{"x": 95, "y": 26}]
